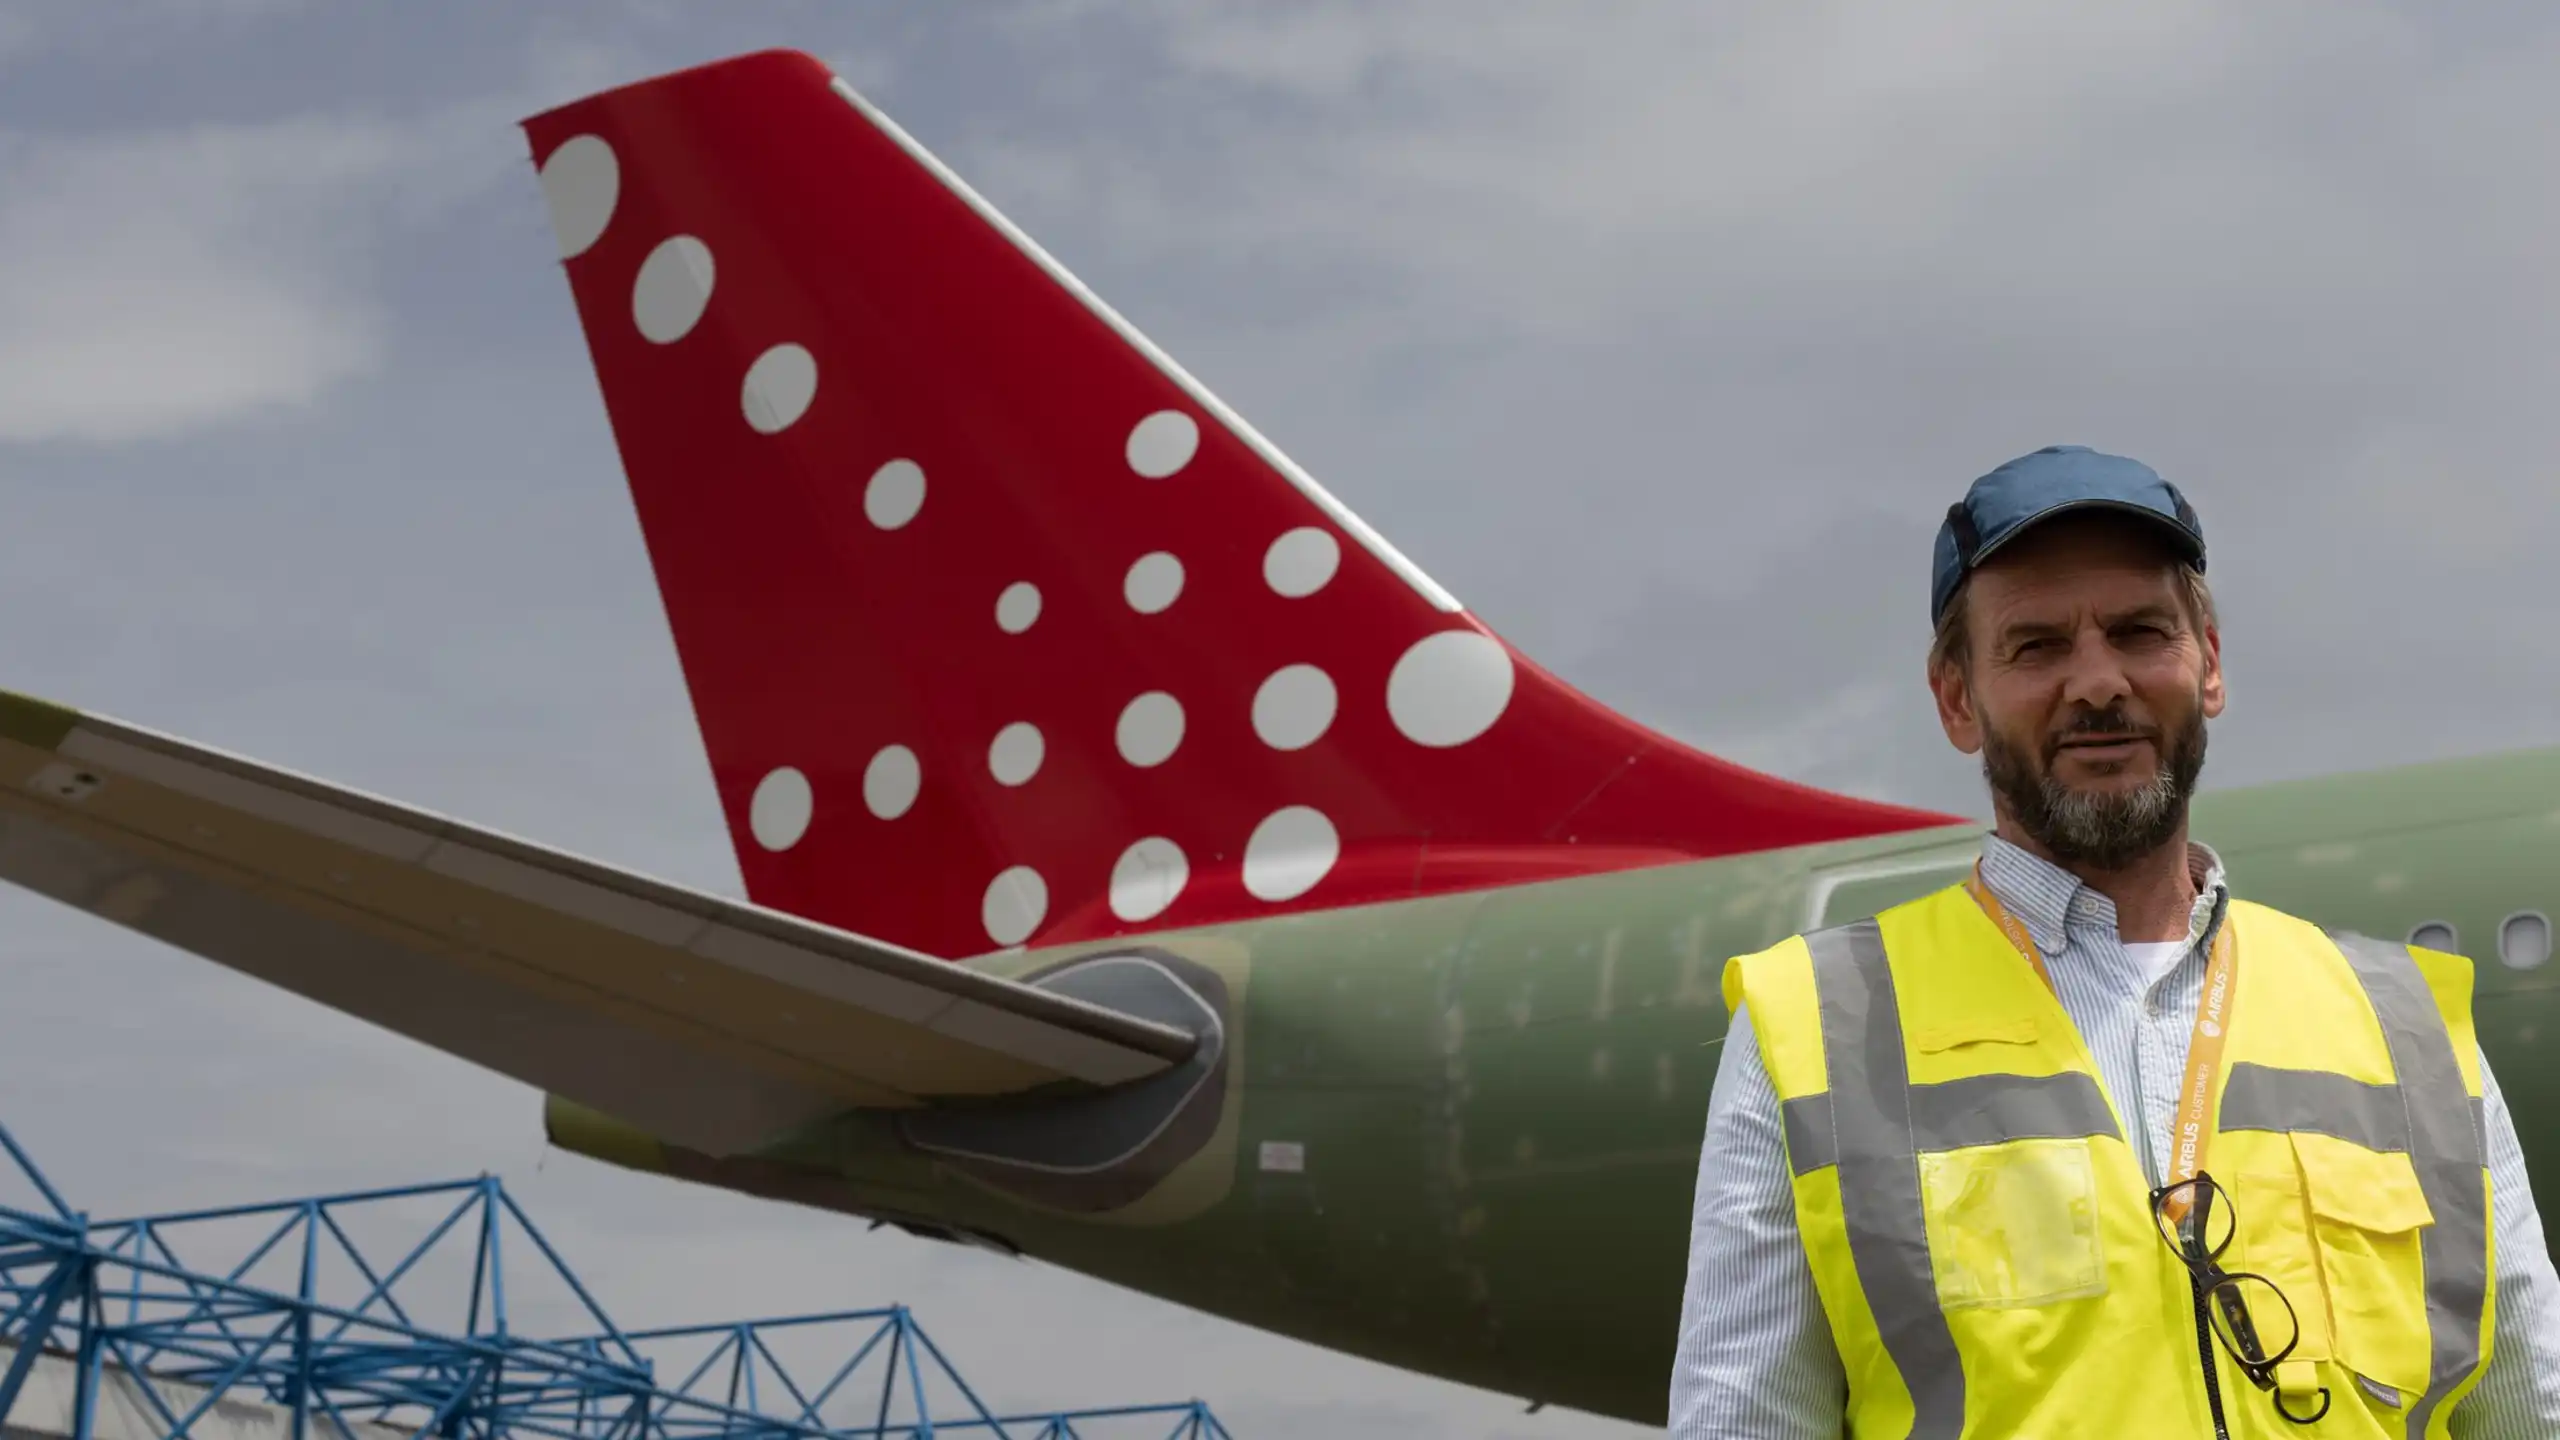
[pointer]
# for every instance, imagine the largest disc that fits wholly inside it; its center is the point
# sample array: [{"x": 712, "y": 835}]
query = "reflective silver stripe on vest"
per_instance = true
[
  {"x": 1953, "y": 1114},
  {"x": 1880, "y": 1172},
  {"x": 2322, "y": 1102},
  {"x": 2444, "y": 1145},
  {"x": 2263, "y": 1097},
  {"x": 1987, "y": 1109},
  {"x": 1808, "y": 1122}
]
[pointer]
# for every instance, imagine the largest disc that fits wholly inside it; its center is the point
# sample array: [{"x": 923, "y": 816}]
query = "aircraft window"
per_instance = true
[
  {"x": 2524, "y": 939},
  {"x": 2437, "y": 935}
]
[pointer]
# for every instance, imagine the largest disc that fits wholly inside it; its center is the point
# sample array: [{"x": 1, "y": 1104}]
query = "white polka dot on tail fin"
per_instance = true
[
  {"x": 667, "y": 299},
  {"x": 1293, "y": 708},
  {"x": 891, "y": 780},
  {"x": 1150, "y": 729},
  {"x": 1154, "y": 583},
  {"x": 779, "y": 387},
  {"x": 1149, "y": 877},
  {"x": 895, "y": 494},
  {"x": 1299, "y": 563},
  {"x": 1017, "y": 901},
  {"x": 778, "y": 815},
  {"x": 1449, "y": 688},
  {"x": 1017, "y": 607},
  {"x": 1016, "y": 754},
  {"x": 580, "y": 183},
  {"x": 1289, "y": 852},
  {"x": 1163, "y": 443}
]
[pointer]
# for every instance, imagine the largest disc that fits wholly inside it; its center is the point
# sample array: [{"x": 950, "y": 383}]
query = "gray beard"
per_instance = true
[{"x": 2099, "y": 831}]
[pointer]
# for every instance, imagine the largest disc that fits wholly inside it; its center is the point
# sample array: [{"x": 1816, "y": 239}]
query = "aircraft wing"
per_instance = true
[{"x": 714, "y": 1023}]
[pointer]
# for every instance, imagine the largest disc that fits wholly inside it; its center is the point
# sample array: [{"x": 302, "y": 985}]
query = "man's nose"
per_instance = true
[{"x": 2096, "y": 677}]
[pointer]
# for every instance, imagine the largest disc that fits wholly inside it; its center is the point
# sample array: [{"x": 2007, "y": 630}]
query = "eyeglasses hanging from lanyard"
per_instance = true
[
  {"x": 2238, "y": 1306},
  {"x": 2247, "y": 1312}
]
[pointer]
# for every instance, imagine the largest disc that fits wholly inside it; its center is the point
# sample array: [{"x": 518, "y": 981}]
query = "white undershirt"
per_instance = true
[{"x": 2155, "y": 958}]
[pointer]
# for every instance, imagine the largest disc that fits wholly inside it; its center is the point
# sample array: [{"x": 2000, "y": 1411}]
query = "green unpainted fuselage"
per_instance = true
[{"x": 1461, "y": 1134}]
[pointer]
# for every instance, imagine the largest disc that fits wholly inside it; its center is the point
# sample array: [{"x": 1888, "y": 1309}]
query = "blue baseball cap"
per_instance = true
[{"x": 2055, "y": 480}]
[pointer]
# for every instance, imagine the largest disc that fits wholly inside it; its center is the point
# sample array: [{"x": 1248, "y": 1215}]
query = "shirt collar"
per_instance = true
[{"x": 2056, "y": 905}]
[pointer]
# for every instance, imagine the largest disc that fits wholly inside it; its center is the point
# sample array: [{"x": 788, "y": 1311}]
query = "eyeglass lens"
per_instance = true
[{"x": 2196, "y": 1219}]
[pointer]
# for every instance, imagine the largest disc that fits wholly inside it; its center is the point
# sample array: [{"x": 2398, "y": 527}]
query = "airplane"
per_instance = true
[{"x": 1151, "y": 870}]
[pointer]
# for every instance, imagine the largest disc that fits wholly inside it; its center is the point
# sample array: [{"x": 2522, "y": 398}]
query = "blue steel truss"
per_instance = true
[{"x": 280, "y": 1304}]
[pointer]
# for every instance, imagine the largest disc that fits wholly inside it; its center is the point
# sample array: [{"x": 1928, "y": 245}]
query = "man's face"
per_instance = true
[{"x": 2087, "y": 689}]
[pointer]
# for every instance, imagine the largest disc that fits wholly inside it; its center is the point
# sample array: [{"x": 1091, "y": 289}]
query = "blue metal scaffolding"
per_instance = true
[{"x": 170, "y": 1316}]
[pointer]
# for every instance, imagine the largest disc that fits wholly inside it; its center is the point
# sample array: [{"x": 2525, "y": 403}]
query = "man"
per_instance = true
[{"x": 1918, "y": 1212}]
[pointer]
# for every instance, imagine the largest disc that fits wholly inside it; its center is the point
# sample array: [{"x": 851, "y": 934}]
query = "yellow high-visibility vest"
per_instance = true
[{"x": 1979, "y": 1221}]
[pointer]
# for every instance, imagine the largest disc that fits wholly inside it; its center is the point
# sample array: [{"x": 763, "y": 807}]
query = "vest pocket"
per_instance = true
[
  {"x": 2367, "y": 1210},
  {"x": 2013, "y": 1224},
  {"x": 2275, "y": 1241}
]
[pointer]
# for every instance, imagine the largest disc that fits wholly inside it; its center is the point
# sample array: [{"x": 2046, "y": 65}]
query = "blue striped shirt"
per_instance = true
[{"x": 1756, "y": 1359}]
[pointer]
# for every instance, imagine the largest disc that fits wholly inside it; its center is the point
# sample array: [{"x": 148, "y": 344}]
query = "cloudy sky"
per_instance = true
[{"x": 1659, "y": 333}]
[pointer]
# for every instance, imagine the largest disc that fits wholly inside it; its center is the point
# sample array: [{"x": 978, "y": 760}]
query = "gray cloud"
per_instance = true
[{"x": 161, "y": 281}]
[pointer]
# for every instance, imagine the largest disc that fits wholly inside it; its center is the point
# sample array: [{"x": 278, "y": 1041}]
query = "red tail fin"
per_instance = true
[{"x": 1000, "y": 627}]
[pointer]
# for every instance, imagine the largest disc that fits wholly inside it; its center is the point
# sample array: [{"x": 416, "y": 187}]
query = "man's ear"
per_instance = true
[
  {"x": 1956, "y": 714},
  {"x": 2212, "y": 683}
]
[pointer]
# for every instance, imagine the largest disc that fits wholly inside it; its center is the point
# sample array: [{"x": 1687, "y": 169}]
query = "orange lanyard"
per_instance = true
[{"x": 2204, "y": 1048}]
